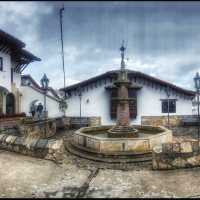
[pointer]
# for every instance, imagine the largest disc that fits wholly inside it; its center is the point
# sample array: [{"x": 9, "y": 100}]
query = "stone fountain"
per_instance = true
[
  {"x": 122, "y": 128},
  {"x": 122, "y": 142}
]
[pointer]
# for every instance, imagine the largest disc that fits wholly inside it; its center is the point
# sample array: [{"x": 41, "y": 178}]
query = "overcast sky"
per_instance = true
[{"x": 163, "y": 38}]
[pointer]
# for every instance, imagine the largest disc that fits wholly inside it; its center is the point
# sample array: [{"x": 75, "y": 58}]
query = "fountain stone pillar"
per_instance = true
[{"x": 122, "y": 127}]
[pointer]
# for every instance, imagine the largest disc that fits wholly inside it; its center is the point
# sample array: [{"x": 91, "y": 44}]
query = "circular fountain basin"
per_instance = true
[{"x": 96, "y": 140}]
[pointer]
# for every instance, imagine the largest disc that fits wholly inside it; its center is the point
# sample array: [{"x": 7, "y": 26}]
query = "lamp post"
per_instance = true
[
  {"x": 45, "y": 83},
  {"x": 168, "y": 95},
  {"x": 197, "y": 87},
  {"x": 61, "y": 37},
  {"x": 80, "y": 98}
]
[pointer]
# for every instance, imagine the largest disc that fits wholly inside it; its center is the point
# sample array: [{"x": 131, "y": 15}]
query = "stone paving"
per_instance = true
[{"x": 23, "y": 176}]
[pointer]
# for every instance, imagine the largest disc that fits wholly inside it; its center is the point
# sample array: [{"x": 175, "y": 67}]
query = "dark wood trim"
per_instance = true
[
  {"x": 7, "y": 38},
  {"x": 138, "y": 76},
  {"x": 23, "y": 68},
  {"x": 169, "y": 99}
]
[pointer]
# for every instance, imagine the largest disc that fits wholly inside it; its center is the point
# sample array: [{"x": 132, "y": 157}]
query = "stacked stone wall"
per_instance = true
[
  {"x": 185, "y": 131},
  {"x": 176, "y": 155},
  {"x": 9, "y": 122},
  {"x": 77, "y": 122},
  {"x": 176, "y": 124},
  {"x": 174, "y": 120},
  {"x": 40, "y": 148},
  {"x": 40, "y": 129},
  {"x": 62, "y": 122},
  {"x": 94, "y": 121}
]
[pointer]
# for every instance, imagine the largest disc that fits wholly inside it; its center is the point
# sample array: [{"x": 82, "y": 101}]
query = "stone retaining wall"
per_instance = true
[
  {"x": 77, "y": 122},
  {"x": 41, "y": 129},
  {"x": 185, "y": 131},
  {"x": 176, "y": 155},
  {"x": 40, "y": 148},
  {"x": 177, "y": 126},
  {"x": 9, "y": 122},
  {"x": 94, "y": 121},
  {"x": 62, "y": 123},
  {"x": 174, "y": 120}
]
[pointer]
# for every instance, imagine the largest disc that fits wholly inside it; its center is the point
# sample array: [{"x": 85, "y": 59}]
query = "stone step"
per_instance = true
[{"x": 141, "y": 158}]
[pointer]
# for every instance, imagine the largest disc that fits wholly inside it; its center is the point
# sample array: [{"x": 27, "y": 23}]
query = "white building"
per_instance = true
[
  {"x": 150, "y": 98},
  {"x": 17, "y": 92}
]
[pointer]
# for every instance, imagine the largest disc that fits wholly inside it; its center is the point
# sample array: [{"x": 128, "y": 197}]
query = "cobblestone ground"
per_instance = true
[{"x": 23, "y": 176}]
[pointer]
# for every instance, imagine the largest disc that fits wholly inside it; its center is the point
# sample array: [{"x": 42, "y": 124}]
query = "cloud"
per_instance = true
[{"x": 162, "y": 39}]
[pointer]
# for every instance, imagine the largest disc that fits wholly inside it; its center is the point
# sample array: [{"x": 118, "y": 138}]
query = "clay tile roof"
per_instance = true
[
  {"x": 7, "y": 38},
  {"x": 131, "y": 73},
  {"x": 29, "y": 55},
  {"x": 17, "y": 45}
]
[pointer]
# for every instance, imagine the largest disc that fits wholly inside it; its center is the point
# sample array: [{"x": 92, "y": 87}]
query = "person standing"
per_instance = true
[
  {"x": 32, "y": 110},
  {"x": 39, "y": 110}
]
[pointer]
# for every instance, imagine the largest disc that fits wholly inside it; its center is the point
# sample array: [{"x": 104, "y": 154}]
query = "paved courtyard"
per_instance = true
[{"x": 23, "y": 176}]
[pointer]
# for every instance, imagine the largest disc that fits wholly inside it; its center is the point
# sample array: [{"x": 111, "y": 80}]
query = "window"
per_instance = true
[
  {"x": 1, "y": 64},
  {"x": 172, "y": 106}
]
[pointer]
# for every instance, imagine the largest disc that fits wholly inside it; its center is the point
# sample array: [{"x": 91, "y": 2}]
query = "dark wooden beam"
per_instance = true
[
  {"x": 17, "y": 67},
  {"x": 4, "y": 49},
  {"x": 1, "y": 46},
  {"x": 22, "y": 69}
]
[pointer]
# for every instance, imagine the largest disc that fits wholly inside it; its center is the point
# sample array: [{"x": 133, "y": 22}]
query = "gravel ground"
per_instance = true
[{"x": 23, "y": 176}]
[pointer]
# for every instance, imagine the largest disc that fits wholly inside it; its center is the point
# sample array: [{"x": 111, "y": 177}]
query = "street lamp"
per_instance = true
[
  {"x": 80, "y": 98},
  {"x": 197, "y": 87},
  {"x": 168, "y": 95},
  {"x": 45, "y": 83}
]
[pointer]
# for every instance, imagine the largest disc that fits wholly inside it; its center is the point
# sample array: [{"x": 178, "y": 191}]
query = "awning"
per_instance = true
[{"x": 3, "y": 89}]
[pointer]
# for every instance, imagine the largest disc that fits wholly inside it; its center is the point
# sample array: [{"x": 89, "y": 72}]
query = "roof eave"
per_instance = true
[
  {"x": 114, "y": 72},
  {"x": 5, "y": 37}
]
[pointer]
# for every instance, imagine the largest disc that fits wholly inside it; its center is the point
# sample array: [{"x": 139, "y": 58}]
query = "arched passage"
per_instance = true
[
  {"x": 3, "y": 93},
  {"x": 10, "y": 104}
]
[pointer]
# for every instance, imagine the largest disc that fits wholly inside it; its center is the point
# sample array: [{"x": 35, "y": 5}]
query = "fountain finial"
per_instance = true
[{"x": 122, "y": 49}]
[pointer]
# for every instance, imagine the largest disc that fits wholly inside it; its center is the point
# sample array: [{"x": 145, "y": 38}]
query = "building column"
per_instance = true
[{"x": 17, "y": 95}]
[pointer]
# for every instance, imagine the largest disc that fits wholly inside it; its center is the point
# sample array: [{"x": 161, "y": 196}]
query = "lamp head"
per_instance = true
[
  {"x": 79, "y": 92},
  {"x": 44, "y": 82},
  {"x": 167, "y": 91},
  {"x": 197, "y": 81}
]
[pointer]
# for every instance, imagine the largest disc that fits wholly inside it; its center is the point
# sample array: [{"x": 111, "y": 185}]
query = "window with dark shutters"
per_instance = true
[{"x": 172, "y": 106}]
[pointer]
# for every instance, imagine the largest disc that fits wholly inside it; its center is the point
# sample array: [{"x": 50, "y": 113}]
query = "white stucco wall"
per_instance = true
[
  {"x": 29, "y": 95},
  {"x": 148, "y": 104},
  {"x": 17, "y": 79},
  {"x": 5, "y": 75},
  {"x": 98, "y": 104}
]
